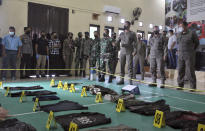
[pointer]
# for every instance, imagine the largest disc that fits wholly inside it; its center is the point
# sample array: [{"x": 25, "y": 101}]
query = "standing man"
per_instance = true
[
  {"x": 10, "y": 51},
  {"x": 95, "y": 52},
  {"x": 85, "y": 52},
  {"x": 158, "y": 52},
  {"x": 42, "y": 53},
  {"x": 139, "y": 56},
  {"x": 188, "y": 42},
  {"x": 26, "y": 53},
  {"x": 172, "y": 48},
  {"x": 54, "y": 54},
  {"x": 78, "y": 59},
  {"x": 68, "y": 50},
  {"x": 115, "y": 49},
  {"x": 105, "y": 55},
  {"x": 127, "y": 39}
]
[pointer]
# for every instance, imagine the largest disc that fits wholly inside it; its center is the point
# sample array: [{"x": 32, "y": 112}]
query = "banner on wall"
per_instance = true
[{"x": 195, "y": 10}]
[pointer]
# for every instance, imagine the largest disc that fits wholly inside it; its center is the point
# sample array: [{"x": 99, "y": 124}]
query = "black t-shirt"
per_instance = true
[{"x": 42, "y": 46}]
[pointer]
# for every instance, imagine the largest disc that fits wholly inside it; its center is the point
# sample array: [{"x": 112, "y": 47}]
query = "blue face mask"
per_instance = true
[{"x": 11, "y": 33}]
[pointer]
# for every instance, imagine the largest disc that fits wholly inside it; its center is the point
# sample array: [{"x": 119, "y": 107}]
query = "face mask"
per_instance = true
[
  {"x": 96, "y": 36},
  {"x": 180, "y": 29},
  {"x": 139, "y": 38},
  {"x": 28, "y": 32},
  {"x": 114, "y": 37},
  {"x": 156, "y": 32},
  {"x": 126, "y": 27},
  {"x": 11, "y": 33},
  {"x": 104, "y": 34}
]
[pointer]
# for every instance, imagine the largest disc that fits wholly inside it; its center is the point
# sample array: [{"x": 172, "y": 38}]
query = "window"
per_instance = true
[
  {"x": 109, "y": 18},
  {"x": 111, "y": 30},
  {"x": 151, "y": 26},
  {"x": 122, "y": 21},
  {"x": 160, "y": 27},
  {"x": 142, "y": 33},
  {"x": 94, "y": 28},
  {"x": 140, "y": 24}
]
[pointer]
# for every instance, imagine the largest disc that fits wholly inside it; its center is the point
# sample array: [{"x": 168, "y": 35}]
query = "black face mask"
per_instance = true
[
  {"x": 71, "y": 37},
  {"x": 104, "y": 34},
  {"x": 28, "y": 32},
  {"x": 114, "y": 37},
  {"x": 126, "y": 27},
  {"x": 156, "y": 32}
]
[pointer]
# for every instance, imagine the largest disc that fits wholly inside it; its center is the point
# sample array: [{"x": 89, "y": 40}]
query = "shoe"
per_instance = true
[
  {"x": 113, "y": 77},
  {"x": 153, "y": 84},
  {"x": 162, "y": 84},
  {"x": 130, "y": 81},
  {"x": 180, "y": 88},
  {"x": 3, "y": 78},
  {"x": 69, "y": 75},
  {"x": 121, "y": 82},
  {"x": 43, "y": 75},
  {"x": 102, "y": 79},
  {"x": 99, "y": 76},
  {"x": 110, "y": 79},
  {"x": 37, "y": 76}
]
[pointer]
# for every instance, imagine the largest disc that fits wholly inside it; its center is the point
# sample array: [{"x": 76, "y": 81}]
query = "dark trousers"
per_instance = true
[
  {"x": 25, "y": 64},
  {"x": 172, "y": 62},
  {"x": 9, "y": 61},
  {"x": 55, "y": 63}
]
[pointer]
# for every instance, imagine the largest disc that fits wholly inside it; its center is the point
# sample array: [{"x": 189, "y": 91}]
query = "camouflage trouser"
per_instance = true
[{"x": 103, "y": 63}]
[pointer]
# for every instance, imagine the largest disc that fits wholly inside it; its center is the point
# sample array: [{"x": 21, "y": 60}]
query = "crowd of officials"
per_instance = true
[{"x": 51, "y": 51}]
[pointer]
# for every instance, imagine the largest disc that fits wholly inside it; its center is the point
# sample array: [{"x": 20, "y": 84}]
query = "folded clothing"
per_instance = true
[
  {"x": 125, "y": 97},
  {"x": 32, "y": 93},
  {"x": 24, "y": 88},
  {"x": 83, "y": 120},
  {"x": 116, "y": 128},
  {"x": 46, "y": 98},
  {"x": 62, "y": 106},
  {"x": 149, "y": 108},
  {"x": 15, "y": 125},
  {"x": 94, "y": 89},
  {"x": 188, "y": 121}
]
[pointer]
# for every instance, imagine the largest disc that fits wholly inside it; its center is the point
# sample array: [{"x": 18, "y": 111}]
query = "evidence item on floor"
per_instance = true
[
  {"x": 24, "y": 88},
  {"x": 46, "y": 98},
  {"x": 83, "y": 120},
  {"x": 120, "y": 127},
  {"x": 63, "y": 106},
  {"x": 69, "y": 84},
  {"x": 185, "y": 120},
  {"x": 94, "y": 89},
  {"x": 132, "y": 89},
  {"x": 15, "y": 125},
  {"x": 33, "y": 93}
]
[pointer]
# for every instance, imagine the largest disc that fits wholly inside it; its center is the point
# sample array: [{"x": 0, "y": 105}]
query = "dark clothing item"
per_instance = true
[
  {"x": 147, "y": 108},
  {"x": 125, "y": 97},
  {"x": 115, "y": 128},
  {"x": 62, "y": 106},
  {"x": 24, "y": 88},
  {"x": 172, "y": 63},
  {"x": 83, "y": 120},
  {"x": 25, "y": 64},
  {"x": 42, "y": 46},
  {"x": 15, "y": 125},
  {"x": 9, "y": 61},
  {"x": 32, "y": 93},
  {"x": 46, "y": 98},
  {"x": 54, "y": 63},
  {"x": 94, "y": 89},
  {"x": 188, "y": 121}
]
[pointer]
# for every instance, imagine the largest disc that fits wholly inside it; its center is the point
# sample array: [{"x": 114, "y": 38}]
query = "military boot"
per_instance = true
[
  {"x": 121, "y": 82},
  {"x": 110, "y": 79},
  {"x": 102, "y": 78},
  {"x": 153, "y": 84}
]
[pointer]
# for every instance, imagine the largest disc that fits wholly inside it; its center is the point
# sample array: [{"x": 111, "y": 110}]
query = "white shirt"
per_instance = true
[{"x": 172, "y": 39}]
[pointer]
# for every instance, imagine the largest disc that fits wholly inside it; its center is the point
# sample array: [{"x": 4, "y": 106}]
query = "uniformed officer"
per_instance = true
[
  {"x": 115, "y": 53},
  {"x": 68, "y": 50},
  {"x": 139, "y": 56},
  {"x": 127, "y": 40},
  {"x": 187, "y": 43},
  {"x": 105, "y": 51},
  {"x": 95, "y": 52},
  {"x": 78, "y": 59},
  {"x": 85, "y": 52},
  {"x": 158, "y": 52}
]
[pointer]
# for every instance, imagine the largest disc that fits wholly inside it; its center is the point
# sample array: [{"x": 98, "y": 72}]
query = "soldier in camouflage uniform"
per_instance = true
[
  {"x": 85, "y": 52},
  {"x": 95, "y": 52},
  {"x": 158, "y": 53},
  {"x": 105, "y": 51},
  {"x": 78, "y": 60}
]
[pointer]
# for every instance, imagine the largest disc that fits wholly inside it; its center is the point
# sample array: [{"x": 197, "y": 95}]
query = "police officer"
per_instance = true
[
  {"x": 115, "y": 53},
  {"x": 139, "y": 56},
  {"x": 68, "y": 50},
  {"x": 187, "y": 43},
  {"x": 158, "y": 52},
  {"x": 78, "y": 45},
  {"x": 85, "y": 52},
  {"x": 105, "y": 51},
  {"x": 95, "y": 52},
  {"x": 127, "y": 40}
]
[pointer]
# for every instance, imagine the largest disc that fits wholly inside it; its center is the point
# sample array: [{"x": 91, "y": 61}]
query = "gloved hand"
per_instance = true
[{"x": 37, "y": 56}]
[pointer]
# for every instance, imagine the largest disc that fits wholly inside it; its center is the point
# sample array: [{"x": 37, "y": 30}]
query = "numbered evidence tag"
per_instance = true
[
  {"x": 120, "y": 106},
  {"x": 83, "y": 93},
  {"x": 52, "y": 83},
  {"x": 7, "y": 91},
  {"x": 73, "y": 127},
  {"x": 65, "y": 87},
  {"x": 50, "y": 119},
  {"x": 72, "y": 88},
  {"x": 60, "y": 85},
  {"x": 36, "y": 105},
  {"x": 159, "y": 119},
  {"x": 201, "y": 127},
  {"x": 23, "y": 96},
  {"x": 1, "y": 85},
  {"x": 98, "y": 98}
]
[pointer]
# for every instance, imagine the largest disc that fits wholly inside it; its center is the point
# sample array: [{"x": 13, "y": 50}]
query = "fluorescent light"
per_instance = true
[
  {"x": 160, "y": 27},
  {"x": 140, "y": 24},
  {"x": 122, "y": 21},
  {"x": 109, "y": 18},
  {"x": 151, "y": 26}
]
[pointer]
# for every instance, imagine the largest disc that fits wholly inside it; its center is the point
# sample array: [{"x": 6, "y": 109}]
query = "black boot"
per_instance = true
[
  {"x": 121, "y": 82},
  {"x": 102, "y": 78},
  {"x": 110, "y": 79},
  {"x": 153, "y": 84}
]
